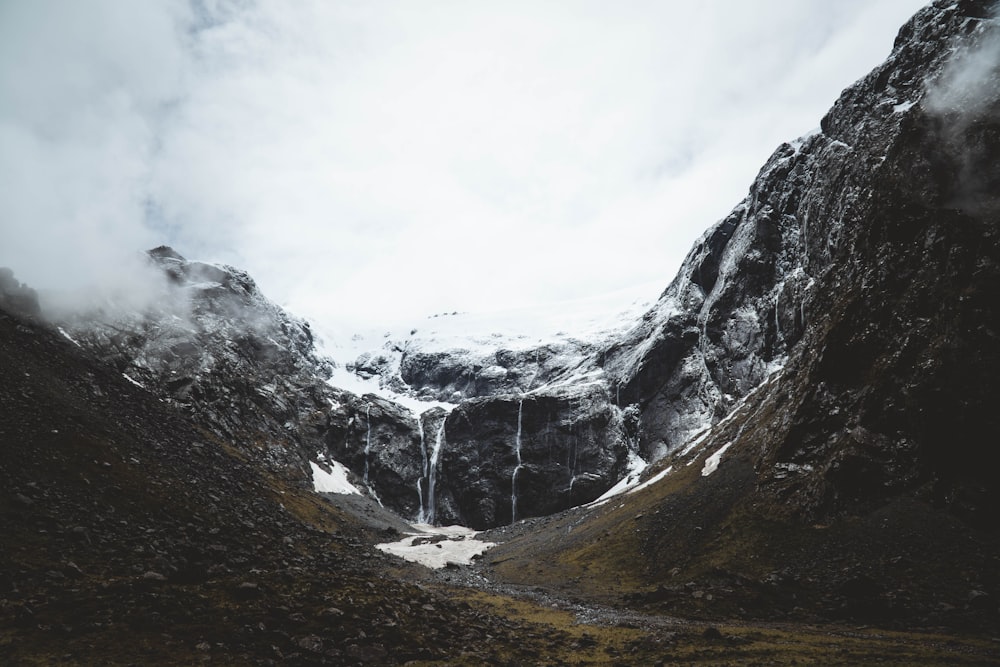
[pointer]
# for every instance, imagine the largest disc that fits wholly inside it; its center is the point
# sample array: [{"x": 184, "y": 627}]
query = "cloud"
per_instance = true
[
  {"x": 380, "y": 159},
  {"x": 82, "y": 89},
  {"x": 965, "y": 98}
]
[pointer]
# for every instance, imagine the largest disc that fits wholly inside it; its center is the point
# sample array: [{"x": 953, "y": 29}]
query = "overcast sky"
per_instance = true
[{"x": 374, "y": 160}]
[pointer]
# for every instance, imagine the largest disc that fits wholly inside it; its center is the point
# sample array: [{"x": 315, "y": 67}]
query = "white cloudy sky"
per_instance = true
[{"x": 374, "y": 159}]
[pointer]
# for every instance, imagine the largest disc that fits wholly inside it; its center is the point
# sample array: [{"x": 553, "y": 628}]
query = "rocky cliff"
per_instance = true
[{"x": 890, "y": 204}]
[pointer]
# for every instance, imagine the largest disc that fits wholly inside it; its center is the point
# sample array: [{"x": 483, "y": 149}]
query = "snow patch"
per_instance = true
[
  {"x": 132, "y": 380},
  {"x": 636, "y": 466},
  {"x": 653, "y": 480},
  {"x": 334, "y": 481},
  {"x": 437, "y": 546},
  {"x": 68, "y": 337},
  {"x": 712, "y": 463}
]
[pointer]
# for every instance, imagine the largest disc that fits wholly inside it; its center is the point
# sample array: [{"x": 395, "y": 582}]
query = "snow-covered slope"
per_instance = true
[{"x": 448, "y": 357}]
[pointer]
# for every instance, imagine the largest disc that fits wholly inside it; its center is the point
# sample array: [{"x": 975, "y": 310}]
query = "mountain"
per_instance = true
[
  {"x": 860, "y": 266},
  {"x": 838, "y": 331},
  {"x": 134, "y": 534},
  {"x": 797, "y": 430}
]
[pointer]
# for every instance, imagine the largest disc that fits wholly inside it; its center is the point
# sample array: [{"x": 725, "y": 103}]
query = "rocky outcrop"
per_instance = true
[
  {"x": 512, "y": 457},
  {"x": 457, "y": 374},
  {"x": 379, "y": 440},
  {"x": 825, "y": 216},
  {"x": 207, "y": 340},
  {"x": 15, "y": 296},
  {"x": 894, "y": 387}
]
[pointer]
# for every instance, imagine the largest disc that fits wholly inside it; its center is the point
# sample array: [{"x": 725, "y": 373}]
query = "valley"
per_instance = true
[{"x": 783, "y": 459}]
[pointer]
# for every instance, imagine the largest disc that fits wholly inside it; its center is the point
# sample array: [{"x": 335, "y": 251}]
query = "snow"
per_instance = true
[
  {"x": 458, "y": 546},
  {"x": 698, "y": 439},
  {"x": 636, "y": 466},
  {"x": 334, "y": 481},
  {"x": 797, "y": 144},
  {"x": 133, "y": 381},
  {"x": 68, "y": 337},
  {"x": 572, "y": 325},
  {"x": 712, "y": 462},
  {"x": 903, "y": 108},
  {"x": 653, "y": 480}
]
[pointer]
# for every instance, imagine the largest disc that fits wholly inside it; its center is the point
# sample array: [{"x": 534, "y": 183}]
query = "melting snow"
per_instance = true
[
  {"x": 653, "y": 480},
  {"x": 437, "y": 546},
  {"x": 712, "y": 462},
  {"x": 332, "y": 482},
  {"x": 636, "y": 466}
]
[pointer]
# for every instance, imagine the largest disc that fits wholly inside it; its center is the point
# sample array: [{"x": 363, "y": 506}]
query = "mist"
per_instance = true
[{"x": 965, "y": 98}]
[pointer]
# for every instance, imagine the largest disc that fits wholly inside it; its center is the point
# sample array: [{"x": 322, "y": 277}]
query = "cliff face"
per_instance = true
[
  {"x": 864, "y": 261},
  {"x": 897, "y": 375}
]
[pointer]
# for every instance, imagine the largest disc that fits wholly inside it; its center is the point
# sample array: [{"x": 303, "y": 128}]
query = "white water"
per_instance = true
[
  {"x": 517, "y": 468},
  {"x": 432, "y": 473},
  {"x": 422, "y": 515},
  {"x": 368, "y": 440}
]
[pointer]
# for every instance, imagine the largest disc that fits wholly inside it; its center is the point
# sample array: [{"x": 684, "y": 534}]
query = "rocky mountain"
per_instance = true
[
  {"x": 134, "y": 534},
  {"x": 838, "y": 331},
  {"x": 798, "y": 430},
  {"x": 826, "y": 243},
  {"x": 206, "y": 339},
  {"x": 544, "y": 425}
]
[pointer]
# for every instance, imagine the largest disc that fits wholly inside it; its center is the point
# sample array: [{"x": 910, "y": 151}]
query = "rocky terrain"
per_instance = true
[{"x": 794, "y": 435}]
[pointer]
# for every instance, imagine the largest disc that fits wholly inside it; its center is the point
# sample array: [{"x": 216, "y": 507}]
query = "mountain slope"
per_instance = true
[
  {"x": 133, "y": 534},
  {"x": 850, "y": 482}
]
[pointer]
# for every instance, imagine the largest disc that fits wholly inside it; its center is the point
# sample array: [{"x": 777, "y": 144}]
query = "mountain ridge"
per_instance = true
[{"x": 794, "y": 432}]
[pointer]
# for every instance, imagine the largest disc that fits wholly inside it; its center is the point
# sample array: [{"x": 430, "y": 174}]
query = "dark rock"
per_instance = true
[{"x": 533, "y": 454}]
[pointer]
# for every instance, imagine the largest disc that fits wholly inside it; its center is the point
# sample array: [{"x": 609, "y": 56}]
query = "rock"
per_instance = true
[
  {"x": 566, "y": 447},
  {"x": 248, "y": 590},
  {"x": 310, "y": 643},
  {"x": 981, "y": 601}
]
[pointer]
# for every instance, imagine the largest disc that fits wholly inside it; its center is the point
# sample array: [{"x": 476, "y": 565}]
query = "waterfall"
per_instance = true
[
  {"x": 517, "y": 468},
  {"x": 368, "y": 439},
  {"x": 432, "y": 473},
  {"x": 422, "y": 516}
]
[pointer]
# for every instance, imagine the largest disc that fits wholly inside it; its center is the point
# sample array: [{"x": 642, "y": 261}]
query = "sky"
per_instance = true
[{"x": 372, "y": 161}]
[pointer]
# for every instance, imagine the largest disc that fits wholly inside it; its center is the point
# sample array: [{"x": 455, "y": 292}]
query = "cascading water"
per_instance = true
[
  {"x": 422, "y": 515},
  {"x": 431, "y": 514},
  {"x": 368, "y": 449},
  {"x": 517, "y": 468},
  {"x": 368, "y": 439}
]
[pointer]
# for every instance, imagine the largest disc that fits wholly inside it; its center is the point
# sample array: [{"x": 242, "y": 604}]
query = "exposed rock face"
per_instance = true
[
  {"x": 892, "y": 191},
  {"x": 512, "y": 457},
  {"x": 454, "y": 375},
  {"x": 896, "y": 383},
  {"x": 17, "y": 297},
  {"x": 379, "y": 440},
  {"x": 210, "y": 342}
]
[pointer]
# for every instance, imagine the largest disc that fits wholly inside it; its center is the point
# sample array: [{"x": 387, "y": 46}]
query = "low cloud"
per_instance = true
[
  {"x": 371, "y": 160},
  {"x": 965, "y": 97}
]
